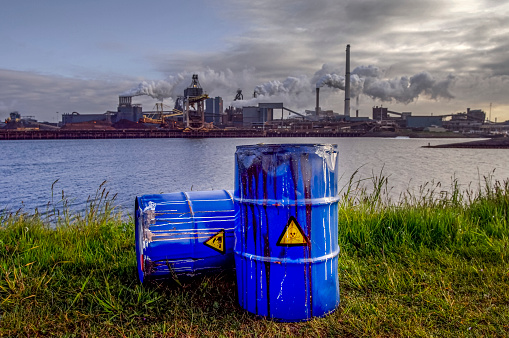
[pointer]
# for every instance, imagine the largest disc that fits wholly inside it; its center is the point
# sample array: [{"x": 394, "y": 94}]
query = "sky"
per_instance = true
[{"x": 424, "y": 57}]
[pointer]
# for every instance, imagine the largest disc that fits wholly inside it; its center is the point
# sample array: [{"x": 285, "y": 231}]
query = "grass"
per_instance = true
[{"x": 432, "y": 263}]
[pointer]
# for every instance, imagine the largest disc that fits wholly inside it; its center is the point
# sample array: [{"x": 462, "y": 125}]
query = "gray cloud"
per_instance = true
[
  {"x": 369, "y": 80},
  {"x": 43, "y": 95},
  {"x": 432, "y": 52}
]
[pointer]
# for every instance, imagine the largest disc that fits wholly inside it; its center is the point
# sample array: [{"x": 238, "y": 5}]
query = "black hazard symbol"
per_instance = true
[
  {"x": 292, "y": 234},
  {"x": 216, "y": 242}
]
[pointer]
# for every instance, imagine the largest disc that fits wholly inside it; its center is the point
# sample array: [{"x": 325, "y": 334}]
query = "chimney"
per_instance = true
[
  {"x": 347, "y": 82},
  {"x": 125, "y": 100},
  {"x": 317, "y": 109}
]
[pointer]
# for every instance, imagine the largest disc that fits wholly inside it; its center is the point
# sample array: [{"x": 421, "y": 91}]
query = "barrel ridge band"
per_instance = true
[
  {"x": 281, "y": 202},
  {"x": 229, "y": 194},
  {"x": 287, "y": 260}
]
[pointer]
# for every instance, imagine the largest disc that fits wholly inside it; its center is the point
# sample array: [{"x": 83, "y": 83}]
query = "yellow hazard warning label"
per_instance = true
[
  {"x": 216, "y": 242},
  {"x": 292, "y": 235}
]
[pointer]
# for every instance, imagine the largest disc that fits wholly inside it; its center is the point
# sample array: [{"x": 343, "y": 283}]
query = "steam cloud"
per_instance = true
[
  {"x": 218, "y": 82},
  {"x": 298, "y": 91},
  {"x": 368, "y": 80},
  {"x": 158, "y": 90}
]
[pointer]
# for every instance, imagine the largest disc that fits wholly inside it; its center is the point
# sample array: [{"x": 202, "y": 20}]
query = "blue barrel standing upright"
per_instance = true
[
  {"x": 286, "y": 232},
  {"x": 184, "y": 233}
]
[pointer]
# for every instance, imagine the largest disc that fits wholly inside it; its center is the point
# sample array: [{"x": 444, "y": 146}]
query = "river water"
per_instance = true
[{"x": 29, "y": 169}]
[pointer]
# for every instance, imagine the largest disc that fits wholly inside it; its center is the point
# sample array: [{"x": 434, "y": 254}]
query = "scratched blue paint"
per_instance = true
[
  {"x": 272, "y": 184},
  {"x": 171, "y": 230}
]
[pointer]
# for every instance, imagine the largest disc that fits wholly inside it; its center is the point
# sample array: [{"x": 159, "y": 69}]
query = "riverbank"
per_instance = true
[
  {"x": 494, "y": 143},
  {"x": 111, "y": 133},
  {"x": 423, "y": 134},
  {"x": 431, "y": 264},
  {"x": 64, "y": 134}
]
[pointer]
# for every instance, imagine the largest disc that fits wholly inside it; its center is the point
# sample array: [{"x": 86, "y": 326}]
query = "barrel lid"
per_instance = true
[{"x": 286, "y": 146}]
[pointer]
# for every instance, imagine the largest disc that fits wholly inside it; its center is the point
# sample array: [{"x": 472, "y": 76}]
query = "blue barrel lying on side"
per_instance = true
[
  {"x": 184, "y": 233},
  {"x": 286, "y": 235}
]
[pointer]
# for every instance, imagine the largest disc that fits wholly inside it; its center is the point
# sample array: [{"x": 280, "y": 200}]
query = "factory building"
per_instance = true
[
  {"x": 214, "y": 110},
  {"x": 421, "y": 122},
  {"x": 255, "y": 116},
  {"x": 386, "y": 116},
  {"x": 476, "y": 114},
  {"x": 126, "y": 110},
  {"x": 232, "y": 117},
  {"x": 405, "y": 119},
  {"x": 380, "y": 113},
  {"x": 76, "y": 117},
  {"x": 470, "y": 121},
  {"x": 261, "y": 115}
]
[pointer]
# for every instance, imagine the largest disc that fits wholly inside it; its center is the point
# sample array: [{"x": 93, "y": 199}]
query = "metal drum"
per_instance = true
[
  {"x": 184, "y": 233},
  {"x": 286, "y": 234}
]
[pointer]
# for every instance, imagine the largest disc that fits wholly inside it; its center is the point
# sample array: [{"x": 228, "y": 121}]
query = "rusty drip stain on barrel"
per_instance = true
[
  {"x": 294, "y": 167},
  {"x": 307, "y": 175},
  {"x": 266, "y": 245},
  {"x": 303, "y": 197}
]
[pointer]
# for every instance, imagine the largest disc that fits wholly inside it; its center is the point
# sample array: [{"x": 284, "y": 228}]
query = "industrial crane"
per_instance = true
[
  {"x": 239, "y": 95},
  {"x": 159, "y": 115},
  {"x": 194, "y": 98}
]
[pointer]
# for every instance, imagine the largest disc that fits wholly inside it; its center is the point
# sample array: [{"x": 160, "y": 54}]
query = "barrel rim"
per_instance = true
[
  {"x": 287, "y": 145},
  {"x": 279, "y": 260},
  {"x": 325, "y": 200},
  {"x": 137, "y": 240}
]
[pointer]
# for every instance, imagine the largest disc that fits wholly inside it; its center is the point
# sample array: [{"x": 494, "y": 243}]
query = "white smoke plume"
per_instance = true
[
  {"x": 368, "y": 80},
  {"x": 367, "y": 71},
  {"x": 298, "y": 92},
  {"x": 331, "y": 80},
  {"x": 158, "y": 90},
  {"x": 295, "y": 91},
  {"x": 338, "y": 82},
  {"x": 213, "y": 83},
  {"x": 290, "y": 86},
  {"x": 407, "y": 89}
]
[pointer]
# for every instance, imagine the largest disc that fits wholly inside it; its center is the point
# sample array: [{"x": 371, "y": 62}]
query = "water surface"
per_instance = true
[{"x": 145, "y": 166}]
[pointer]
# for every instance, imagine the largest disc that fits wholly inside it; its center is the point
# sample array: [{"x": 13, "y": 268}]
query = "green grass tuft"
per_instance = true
[{"x": 432, "y": 263}]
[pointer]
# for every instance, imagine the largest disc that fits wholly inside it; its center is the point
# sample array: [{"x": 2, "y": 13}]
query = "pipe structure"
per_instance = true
[
  {"x": 317, "y": 109},
  {"x": 347, "y": 82}
]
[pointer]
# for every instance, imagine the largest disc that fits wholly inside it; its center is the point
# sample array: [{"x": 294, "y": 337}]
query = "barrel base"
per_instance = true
[
  {"x": 288, "y": 292},
  {"x": 284, "y": 320}
]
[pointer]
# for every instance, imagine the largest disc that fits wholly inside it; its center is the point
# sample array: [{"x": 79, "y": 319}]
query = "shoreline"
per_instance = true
[
  {"x": 65, "y": 134},
  {"x": 493, "y": 143}
]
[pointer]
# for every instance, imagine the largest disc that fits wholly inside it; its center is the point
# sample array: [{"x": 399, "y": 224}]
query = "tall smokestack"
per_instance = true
[
  {"x": 317, "y": 109},
  {"x": 347, "y": 82}
]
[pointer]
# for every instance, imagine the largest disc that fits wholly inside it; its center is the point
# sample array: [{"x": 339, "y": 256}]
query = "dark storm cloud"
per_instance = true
[
  {"x": 268, "y": 58},
  {"x": 406, "y": 36},
  {"x": 418, "y": 48},
  {"x": 499, "y": 63},
  {"x": 500, "y": 68}
]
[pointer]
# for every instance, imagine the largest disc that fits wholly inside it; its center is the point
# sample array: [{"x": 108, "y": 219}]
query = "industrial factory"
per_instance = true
[{"x": 195, "y": 112}]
